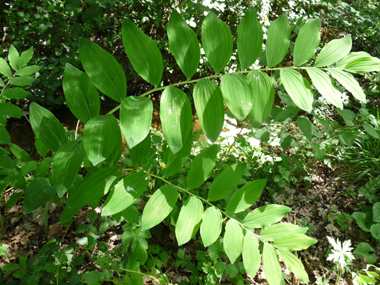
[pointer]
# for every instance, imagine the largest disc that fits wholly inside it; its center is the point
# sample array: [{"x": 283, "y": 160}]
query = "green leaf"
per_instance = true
[
  {"x": 4, "y": 68},
  {"x": 43, "y": 167},
  {"x": 141, "y": 152},
  {"x": 263, "y": 97},
  {"x": 175, "y": 115},
  {"x": 307, "y": 42},
  {"x": 251, "y": 254},
  {"x": 324, "y": 86},
  {"x": 208, "y": 103},
  {"x": 348, "y": 116},
  {"x": 349, "y": 82},
  {"x": 15, "y": 93},
  {"x": 174, "y": 162},
  {"x": 184, "y": 45},
  {"x": 189, "y": 216},
  {"x": 364, "y": 250},
  {"x": 2, "y": 83},
  {"x": 376, "y": 212},
  {"x": 371, "y": 130},
  {"x": 81, "y": 95},
  {"x": 13, "y": 57},
  {"x": 211, "y": 226},
  {"x": 278, "y": 40},
  {"x": 9, "y": 267},
  {"x": 294, "y": 265},
  {"x": 272, "y": 268},
  {"x": 66, "y": 164},
  {"x": 135, "y": 119},
  {"x": 159, "y": 206},
  {"x": 294, "y": 242},
  {"x": 115, "y": 156},
  {"x": 143, "y": 53},
  {"x": 28, "y": 168},
  {"x": 202, "y": 166},
  {"x": 375, "y": 231},
  {"x": 298, "y": 88},
  {"x": 280, "y": 230},
  {"x": 363, "y": 65},
  {"x": 5, "y": 137},
  {"x": 103, "y": 69},
  {"x": 347, "y": 137},
  {"x": 37, "y": 194},
  {"x": 89, "y": 190},
  {"x": 14, "y": 199},
  {"x": 350, "y": 58},
  {"x": 22, "y": 80},
  {"x": 237, "y": 94},
  {"x": 233, "y": 240},
  {"x": 249, "y": 39},
  {"x": 265, "y": 216},
  {"x": 217, "y": 42},
  {"x": 19, "y": 153},
  {"x": 246, "y": 196},
  {"x": 10, "y": 110},
  {"x": 126, "y": 192},
  {"x": 46, "y": 127},
  {"x": 364, "y": 220},
  {"x": 28, "y": 70},
  {"x": 99, "y": 137},
  {"x": 305, "y": 126},
  {"x": 41, "y": 148},
  {"x": 25, "y": 57},
  {"x": 226, "y": 182},
  {"x": 333, "y": 51}
]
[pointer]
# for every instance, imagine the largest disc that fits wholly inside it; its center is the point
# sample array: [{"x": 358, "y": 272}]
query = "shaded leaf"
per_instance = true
[
  {"x": 294, "y": 265},
  {"x": 141, "y": 152},
  {"x": 13, "y": 57},
  {"x": 25, "y": 57},
  {"x": 371, "y": 130},
  {"x": 375, "y": 231},
  {"x": 5, "y": 137},
  {"x": 4, "y": 68},
  {"x": 305, "y": 126},
  {"x": 10, "y": 110},
  {"x": 15, "y": 93},
  {"x": 174, "y": 162},
  {"x": 211, "y": 226},
  {"x": 22, "y": 80},
  {"x": 334, "y": 51},
  {"x": 348, "y": 116},
  {"x": 278, "y": 40},
  {"x": 233, "y": 240},
  {"x": 376, "y": 212},
  {"x": 265, "y": 216},
  {"x": 364, "y": 250},
  {"x": 251, "y": 254},
  {"x": 37, "y": 194},
  {"x": 272, "y": 268},
  {"x": 19, "y": 153}
]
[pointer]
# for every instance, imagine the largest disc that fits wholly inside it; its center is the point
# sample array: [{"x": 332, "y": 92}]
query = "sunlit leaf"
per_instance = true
[
  {"x": 349, "y": 82},
  {"x": 4, "y": 68},
  {"x": 294, "y": 265},
  {"x": 143, "y": 53},
  {"x": 28, "y": 70},
  {"x": 363, "y": 65},
  {"x": 280, "y": 230},
  {"x": 272, "y": 268},
  {"x": 216, "y": 41},
  {"x": 265, "y": 216},
  {"x": 233, "y": 240},
  {"x": 211, "y": 226},
  {"x": 251, "y": 254},
  {"x": 350, "y": 58},
  {"x": 294, "y": 242},
  {"x": 334, "y": 51},
  {"x": 13, "y": 57},
  {"x": 25, "y": 57}
]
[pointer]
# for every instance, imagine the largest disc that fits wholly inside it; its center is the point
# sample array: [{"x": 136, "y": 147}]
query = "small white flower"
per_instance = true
[{"x": 340, "y": 253}]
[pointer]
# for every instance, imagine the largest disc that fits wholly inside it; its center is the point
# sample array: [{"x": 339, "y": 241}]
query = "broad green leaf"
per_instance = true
[
  {"x": 174, "y": 162},
  {"x": 22, "y": 80},
  {"x": 103, "y": 69},
  {"x": 351, "y": 57},
  {"x": 307, "y": 42},
  {"x": 208, "y": 103},
  {"x": 233, "y": 240},
  {"x": 43, "y": 167},
  {"x": 348, "y": 116},
  {"x": 349, "y": 82},
  {"x": 2, "y": 83},
  {"x": 246, "y": 196},
  {"x": 249, "y": 39},
  {"x": 115, "y": 156},
  {"x": 237, "y": 94},
  {"x": 19, "y": 153},
  {"x": 15, "y": 93},
  {"x": 143, "y": 53},
  {"x": 25, "y": 57},
  {"x": 263, "y": 97},
  {"x": 272, "y": 268},
  {"x": 10, "y": 110},
  {"x": 175, "y": 115},
  {"x": 13, "y": 57},
  {"x": 265, "y": 216},
  {"x": 294, "y": 242},
  {"x": 141, "y": 152},
  {"x": 159, "y": 206},
  {"x": 376, "y": 212},
  {"x": 66, "y": 164},
  {"x": 5, "y": 137},
  {"x": 363, "y": 65},
  {"x": 280, "y": 230},
  {"x": 4, "y": 68},
  {"x": 41, "y": 148},
  {"x": 46, "y": 127},
  {"x": 294, "y": 265},
  {"x": 126, "y": 192},
  {"x": 298, "y": 88},
  {"x": 99, "y": 137},
  {"x": 371, "y": 130},
  {"x": 189, "y": 216},
  {"x": 28, "y": 168},
  {"x": 184, "y": 45},
  {"x": 211, "y": 226},
  {"x": 364, "y": 250},
  {"x": 81, "y": 95},
  {"x": 226, "y": 181},
  {"x": 347, "y": 137},
  {"x": 37, "y": 194},
  {"x": 28, "y": 70},
  {"x": 89, "y": 190},
  {"x": 217, "y": 42},
  {"x": 305, "y": 126},
  {"x": 202, "y": 166},
  {"x": 333, "y": 51},
  {"x": 251, "y": 254},
  {"x": 375, "y": 231},
  {"x": 278, "y": 40},
  {"x": 135, "y": 119},
  {"x": 324, "y": 86}
]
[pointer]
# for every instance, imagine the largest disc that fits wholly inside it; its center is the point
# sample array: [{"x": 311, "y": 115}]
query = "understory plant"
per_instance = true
[{"x": 205, "y": 194}]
